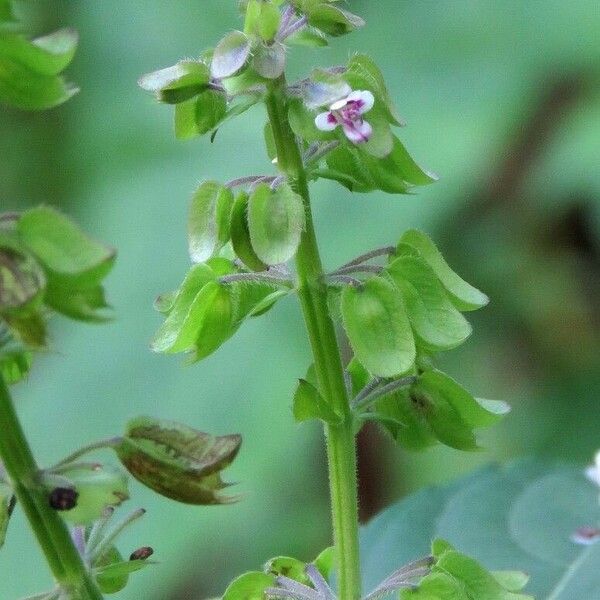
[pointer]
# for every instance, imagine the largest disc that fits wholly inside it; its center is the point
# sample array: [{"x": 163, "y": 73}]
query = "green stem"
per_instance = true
[
  {"x": 341, "y": 442},
  {"x": 49, "y": 528}
]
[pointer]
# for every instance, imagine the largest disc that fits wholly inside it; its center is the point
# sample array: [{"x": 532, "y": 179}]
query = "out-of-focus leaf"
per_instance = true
[
  {"x": 464, "y": 296},
  {"x": 208, "y": 221},
  {"x": 7, "y": 504},
  {"x": 521, "y": 516},
  {"x": 87, "y": 304},
  {"x": 262, "y": 19},
  {"x": 22, "y": 281},
  {"x": 378, "y": 329},
  {"x": 249, "y": 586},
  {"x": 275, "y": 222},
  {"x": 177, "y": 461},
  {"x": 15, "y": 358},
  {"x": 70, "y": 257},
  {"x": 230, "y": 55}
]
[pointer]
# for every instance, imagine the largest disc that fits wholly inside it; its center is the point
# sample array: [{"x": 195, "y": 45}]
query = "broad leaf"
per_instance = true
[
  {"x": 434, "y": 319},
  {"x": 208, "y": 221},
  {"x": 275, "y": 221},
  {"x": 464, "y": 296},
  {"x": 332, "y": 20},
  {"x": 249, "y": 586},
  {"x": 378, "y": 328},
  {"x": 309, "y": 404},
  {"x": 177, "y": 461},
  {"x": 70, "y": 257},
  {"x": 521, "y": 516},
  {"x": 230, "y": 55},
  {"x": 178, "y": 83},
  {"x": 240, "y": 234}
]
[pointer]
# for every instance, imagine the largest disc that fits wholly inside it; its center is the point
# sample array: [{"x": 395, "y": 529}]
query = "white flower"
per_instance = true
[
  {"x": 593, "y": 472},
  {"x": 348, "y": 113}
]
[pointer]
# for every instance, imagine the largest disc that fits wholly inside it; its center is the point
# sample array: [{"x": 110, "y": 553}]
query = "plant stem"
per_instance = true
[
  {"x": 312, "y": 291},
  {"x": 49, "y": 528}
]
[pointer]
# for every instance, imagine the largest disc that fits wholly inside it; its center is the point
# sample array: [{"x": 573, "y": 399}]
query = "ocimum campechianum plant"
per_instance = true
[
  {"x": 252, "y": 243},
  {"x": 50, "y": 266}
]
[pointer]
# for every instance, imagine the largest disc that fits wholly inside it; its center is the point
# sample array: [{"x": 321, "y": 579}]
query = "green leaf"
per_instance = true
[
  {"x": 28, "y": 90},
  {"x": 397, "y": 172},
  {"x": 198, "y": 276},
  {"x": 87, "y": 304},
  {"x": 347, "y": 167},
  {"x": 249, "y": 586},
  {"x": 47, "y": 55},
  {"x": 513, "y": 581},
  {"x": 364, "y": 74},
  {"x": 401, "y": 417},
  {"x": 378, "y": 329},
  {"x": 177, "y": 461},
  {"x": 288, "y": 567},
  {"x": 309, "y": 37},
  {"x": 208, "y": 221},
  {"x": 178, "y": 83},
  {"x": 464, "y": 296},
  {"x": 325, "y": 562},
  {"x": 269, "y": 60},
  {"x": 332, "y": 20},
  {"x": 70, "y": 257},
  {"x": 7, "y": 504},
  {"x": 15, "y": 359},
  {"x": 200, "y": 115},
  {"x": 520, "y": 516},
  {"x": 309, "y": 404},
  {"x": 473, "y": 412},
  {"x": 115, "y": 576},
  {"x": 253, "y": 298},
  {"x": 262, "y": 19},
  {"x": 22, "y": 281},
  {"x": 97, "y": 486},
  {"x": 230, "y": 55},
  {"x": 240, "y": 234},
  {"x": 275, "y": 221},
  {"x": 434, "y": 319}
]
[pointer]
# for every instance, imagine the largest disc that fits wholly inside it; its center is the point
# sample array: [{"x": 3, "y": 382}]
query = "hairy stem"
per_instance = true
[
  {"x": 341, "y": 443},
  {"x": 47, "y": 525}
]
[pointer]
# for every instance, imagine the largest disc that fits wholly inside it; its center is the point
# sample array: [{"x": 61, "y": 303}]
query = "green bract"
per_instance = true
[
  {"x": 177, "y": 461},
  {"x": 30, "y": 70}
]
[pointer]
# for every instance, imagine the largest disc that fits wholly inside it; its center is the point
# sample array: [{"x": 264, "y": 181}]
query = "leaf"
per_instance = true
[
  {"x": 434, "y": 319},
  {"x": 519, "y": 516},
  {"x": 7, "y": 504},
  {"x": 70, "y": 257},
  {"x": 200, "y": 115},
  {"x": 47, "y": 55},
  {"x": 240, "y": 234},
  {"x": 324, "y": 88},
  {"x": 249, "y": 586},
  {"x": 262, "y": 19},
  {"x": 310, "y": 37},
  {"x": 269, "y": 60},
  {"x": 110, "y": 580},
  {"x": 473, "y": 412},
  {"x": 378, "y": 329},
  {"x": 22, "y": 281},
  {"x": 230, "y": 55},
  {"x": 309, "y": 404},
  {"x": 177, "y": 461},
  {"x": 463, "y": 295},
  {"x": 178, "y": 83},
  {"x": 275, "y": 222},
  {"x": 253, "y": 298},
  {"x": 347, "y": 167},
  {"x": 97, "y": 487},
  {"x": 198, "y": 276},
  {"x": 288, "y": 567},
  {"x": 325, "y": 562},
  {"x": 364, "y": 74},
  {"x": 15, "y": 359},
  {"x": 88, "y": 304},
  {"x": 208, "y": 221},
  {"x": 332, "y": 20}
]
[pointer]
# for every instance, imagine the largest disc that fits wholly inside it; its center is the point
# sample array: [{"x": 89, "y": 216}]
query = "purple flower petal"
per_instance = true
[
  {"x": 363, "y": 99},
  {"x": 357, "y": 132},
  {"x": 326, "y": 121}
]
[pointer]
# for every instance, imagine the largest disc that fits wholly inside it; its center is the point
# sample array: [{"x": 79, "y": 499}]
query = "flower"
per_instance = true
[
  {"x": 593, "y": 472},
  {"x": 348, "y": 112}
]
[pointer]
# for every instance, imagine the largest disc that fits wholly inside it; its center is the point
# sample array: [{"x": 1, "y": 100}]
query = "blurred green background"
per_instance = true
[{"x": 502, "y": 101}]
